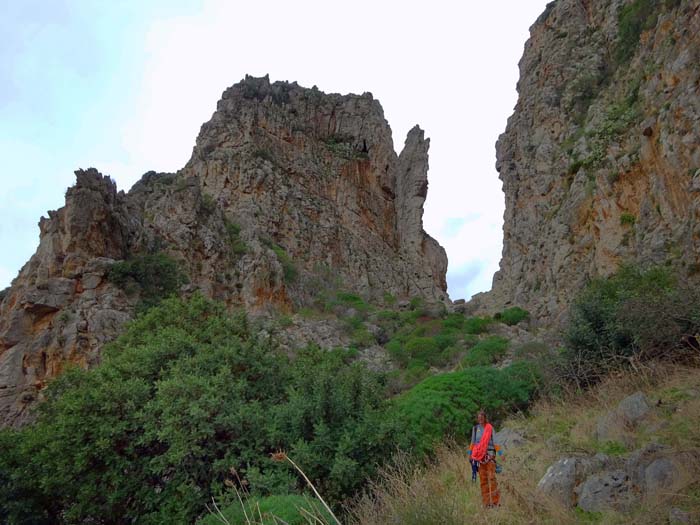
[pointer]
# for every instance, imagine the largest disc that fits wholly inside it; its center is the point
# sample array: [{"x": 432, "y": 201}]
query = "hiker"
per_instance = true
[{"x": 482, "y": 453}]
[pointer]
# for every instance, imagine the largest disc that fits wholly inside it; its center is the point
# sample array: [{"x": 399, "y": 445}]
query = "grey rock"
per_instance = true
[
  {"x": 509, "y": 438},
  {"x": 633, "y": 408},
  {"x": 605, "y": 491},
  {"x": 678, "y": 516},
  {"x": 564, "y": 476},
  {"x": 615, "y": 424},
  {"x": 660, "y": 474},
  {"x": 91, "y": 281}
]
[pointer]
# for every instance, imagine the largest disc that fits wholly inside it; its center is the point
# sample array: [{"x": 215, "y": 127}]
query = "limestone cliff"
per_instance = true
[
  {"x": 600, "y": 161},
  {"x": 288, "y": 190}
]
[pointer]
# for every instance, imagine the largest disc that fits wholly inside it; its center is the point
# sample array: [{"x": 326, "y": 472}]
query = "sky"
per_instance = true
[{"x": 125, "y": 86}]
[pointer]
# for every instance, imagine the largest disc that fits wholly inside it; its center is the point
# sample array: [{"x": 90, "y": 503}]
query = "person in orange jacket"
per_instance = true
[{"x": 482, "y": 451}]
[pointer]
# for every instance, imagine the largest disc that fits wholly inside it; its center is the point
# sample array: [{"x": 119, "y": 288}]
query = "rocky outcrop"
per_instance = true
[
  {"x": 317, "y": 175},
  {"x": 602, "y": 482},
  {"x": 599, "y": 160},
  {"x": 289, "y": 192},
  {"x": 60, "y": 310}
]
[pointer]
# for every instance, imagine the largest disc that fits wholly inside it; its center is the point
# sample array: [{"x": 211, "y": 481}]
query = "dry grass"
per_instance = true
[{"x": 442, "y": 491}]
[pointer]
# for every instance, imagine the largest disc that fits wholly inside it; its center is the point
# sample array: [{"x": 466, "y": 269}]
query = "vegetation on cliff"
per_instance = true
[{"x": 190, "y": 401}]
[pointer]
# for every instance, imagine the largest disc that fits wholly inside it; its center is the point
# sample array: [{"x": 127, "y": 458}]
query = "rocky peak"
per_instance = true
[
  {"x": 318, "y": 174},
  {"x": 289, "y": 192}
]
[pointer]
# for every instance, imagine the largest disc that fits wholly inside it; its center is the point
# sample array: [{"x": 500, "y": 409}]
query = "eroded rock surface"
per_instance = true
[
  {"x": 289, "y": 192},
  {"x": 600, "y": 161}
]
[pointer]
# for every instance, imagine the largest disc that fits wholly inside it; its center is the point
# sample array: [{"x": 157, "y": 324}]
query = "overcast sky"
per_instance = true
[{"x": 124, "y": 87}]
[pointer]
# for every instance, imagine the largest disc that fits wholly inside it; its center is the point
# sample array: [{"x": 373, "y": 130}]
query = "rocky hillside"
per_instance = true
[
  {"x": 600, "y": 161},
  {"x": 289, "y": 191}
]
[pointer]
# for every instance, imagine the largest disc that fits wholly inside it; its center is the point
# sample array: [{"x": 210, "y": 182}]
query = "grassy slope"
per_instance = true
[{"x": 442, "y": 492}]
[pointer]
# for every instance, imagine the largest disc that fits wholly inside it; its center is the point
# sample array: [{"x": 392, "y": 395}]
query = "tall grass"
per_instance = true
[
  {"x": 273, "y": 510},
  {"x": 441, "y": 491}
]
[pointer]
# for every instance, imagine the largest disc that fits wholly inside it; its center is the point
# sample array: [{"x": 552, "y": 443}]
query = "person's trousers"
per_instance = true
[{"x": 489, "y": 487}]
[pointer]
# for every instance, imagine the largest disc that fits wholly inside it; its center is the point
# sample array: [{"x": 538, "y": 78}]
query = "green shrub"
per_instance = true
[
  {"x": 486, "y": 352},
  {"x": 233, "y": 233},
  {"x": 332, "y": 422},
  {"x": 627, "y": 219},
  {"x": 272, "y": 509},
  {"x": 446, "y": 404},
  {"x": 342, "y": 146},
  {"x": 288, "y": 266},
  {"x": 446, "y": 338},
  {"x": 186, "y": 394},
  {"x": 612, "y": 448},
  {"x": 207, "y": 204},
  {"x": 416, "y": 303},
  {"x": 155, "y": 276},
  {"x": 633, "y": 19},
  {"x": 351, "y": 300},
  {"x": 409, "y": 317},
  {"x": 395, "y": 349},
  {"x": 361, "y": 337},
  {"x": 424, "y": 349},
  {"x": 388, "y": 315},
  {"x": 389, "y": 299},
  {"x": 512, "y": 316},
  {"x": 477, "y": 325},
  {"x": 454, "y": 320},
  {"x": 575, "y": 166},
  {"x": 635, "y": 314}
]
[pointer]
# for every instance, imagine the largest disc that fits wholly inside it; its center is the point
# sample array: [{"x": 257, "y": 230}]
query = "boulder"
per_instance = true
[
  {"x": 609, "y": 490},
  {"x": 615, "y": 425},
  {"x": 633, "y": 408},
  {"x": 660, "y": 474},
  {"x": 509, "y": 438},
  {"x": 562, "y": 478}
]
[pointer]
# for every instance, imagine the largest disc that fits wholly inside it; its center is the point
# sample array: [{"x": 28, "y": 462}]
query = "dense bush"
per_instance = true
[
  {"x": 634, "y": 315},
  {"x": 512, "y": 316},
  {"x": 416, "y": 350},
  {"x": 447, "y": 404},
  {"x": 486, "y": 352},
  {"x": 477, "y": 325},
  {"x": 184, "y": 396},
  {"x": 349, "y": 300},
  {"x": 154, "y": 276}
]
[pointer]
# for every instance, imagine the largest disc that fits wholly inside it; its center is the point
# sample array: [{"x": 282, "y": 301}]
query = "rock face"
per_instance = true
[
  {"x": 289, "y": 192},
  {"x": 601, "y": 482},
  {"x": 600, "y": 161}
]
